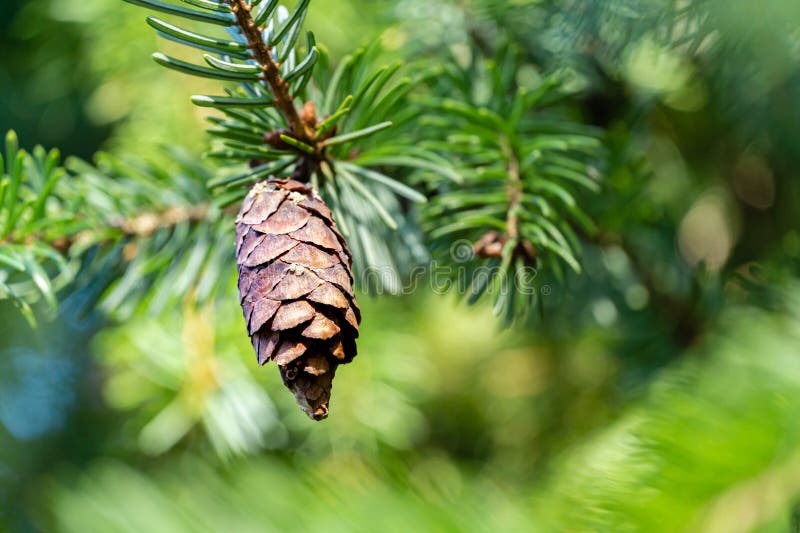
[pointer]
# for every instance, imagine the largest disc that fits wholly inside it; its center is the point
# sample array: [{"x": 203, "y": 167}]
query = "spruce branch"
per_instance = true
[
  {"x": 148, "y": 233},
  {"x": 494, "y": 244},
  {"x": 262, "y": 53},
  {"x": 294, "y": 114},
  {"x": 521, "y": 163},
  {"x": 146, "y": 224},
  {"x": 138, "y": 226}
]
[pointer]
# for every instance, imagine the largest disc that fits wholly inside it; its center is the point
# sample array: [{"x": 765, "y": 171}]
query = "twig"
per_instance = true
[
  {"x": 141, "y": 226},
  {"x": 146, "y": 224},
  {"x": 492, "y": 243},
  {"x": 514, "y": 189},
  {"x": 272, "y": 74}
]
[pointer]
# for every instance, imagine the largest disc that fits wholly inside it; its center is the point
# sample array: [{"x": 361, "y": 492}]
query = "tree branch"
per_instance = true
[
  {"x": 146, "y": 224},
  {"x": 141, "y": 226},
  {"x": 262, "y": 53}
]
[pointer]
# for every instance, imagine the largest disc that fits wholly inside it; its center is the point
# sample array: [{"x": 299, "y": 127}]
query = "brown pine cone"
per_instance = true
[{"x": 296, "y": 288}]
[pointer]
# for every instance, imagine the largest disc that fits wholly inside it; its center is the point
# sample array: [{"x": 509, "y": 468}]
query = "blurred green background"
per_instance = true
[{"x": 658, "y": 391}]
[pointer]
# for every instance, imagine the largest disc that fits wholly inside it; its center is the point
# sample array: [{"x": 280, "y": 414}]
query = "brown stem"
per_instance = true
[
  {"x": 272, "y": 74},
  {"x": 140, "y": 226},
  {"x": 514, "y": 189},
  {"x": 146, "y": 224},
  {"x": 491, "y": 244}
]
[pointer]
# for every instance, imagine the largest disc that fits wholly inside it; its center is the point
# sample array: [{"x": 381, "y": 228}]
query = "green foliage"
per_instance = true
[
  {"x": 268, "y": 495},
  {"x": 608, "y": 27},
  {"x": 370, "y": 204},
  {"x": 30, "y": 267},
  {"x": 522, "y": 160},
  {"x": 200, "y": 380},
  {"x": 712, "y": 448},
  {"x": 183, "y": 397},
  {"x": 126, "y": 234},
  {"x": 172, "y": 241}
]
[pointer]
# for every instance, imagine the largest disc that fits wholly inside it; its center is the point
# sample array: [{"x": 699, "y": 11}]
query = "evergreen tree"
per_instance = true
[{"x": 612, "y": 182}]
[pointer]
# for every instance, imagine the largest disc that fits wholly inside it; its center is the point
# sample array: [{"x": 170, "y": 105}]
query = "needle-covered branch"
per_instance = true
[
  {"x": 262, "y": 53},
  {"x": 155, "y": 228}
]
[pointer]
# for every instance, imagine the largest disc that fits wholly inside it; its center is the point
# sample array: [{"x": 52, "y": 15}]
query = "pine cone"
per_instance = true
[{"x": 296, "y": 288}]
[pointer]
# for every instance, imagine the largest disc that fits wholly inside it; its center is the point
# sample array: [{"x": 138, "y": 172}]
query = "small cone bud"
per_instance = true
[{"x": 296, "y": 289}]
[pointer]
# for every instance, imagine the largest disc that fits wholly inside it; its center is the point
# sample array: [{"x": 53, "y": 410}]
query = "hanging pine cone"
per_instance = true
[{"x": 296, "y": 288}]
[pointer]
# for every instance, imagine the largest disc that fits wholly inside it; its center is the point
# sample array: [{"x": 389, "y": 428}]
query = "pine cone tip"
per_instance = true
[{"x": 310, "y": 381}]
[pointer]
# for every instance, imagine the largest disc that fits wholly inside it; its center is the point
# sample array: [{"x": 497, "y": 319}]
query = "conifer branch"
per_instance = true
[
  {"x": 139, "y": 226},
  {"x": 146, "y": 224},
  {"x": 128, "y": 218},
  {"x": 262, "y": 53},
  {"x": 293, "y": 113}
]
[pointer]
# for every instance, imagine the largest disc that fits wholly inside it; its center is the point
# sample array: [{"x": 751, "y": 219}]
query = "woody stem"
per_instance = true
[{"x": 262, "y": 53}]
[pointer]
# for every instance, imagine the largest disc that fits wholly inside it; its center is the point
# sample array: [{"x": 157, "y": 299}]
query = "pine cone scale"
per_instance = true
[
  {"x": 295, "y": 283},
  {"x": 288, "y": 218},
  {"x": 318, "y": 206},
  {"x": 336, "y": 275},
  {"x": 292, "y": 315},
  {"x": 261, "y": 314},
  {"x": 257, "y": 212},
  {"x": 264, "y": 280},
  {"x": 321, "y": 327},
  {"x": 328, "y": 294},
  {"x": 268, "y": 248},
  {"x": 266, "y": 347},
  {"x": 289, "y": 351},
  {"x": 310, "y": 256},
  {"x": 319, "y": 233},
  {"x": 296, "y": 289}
]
